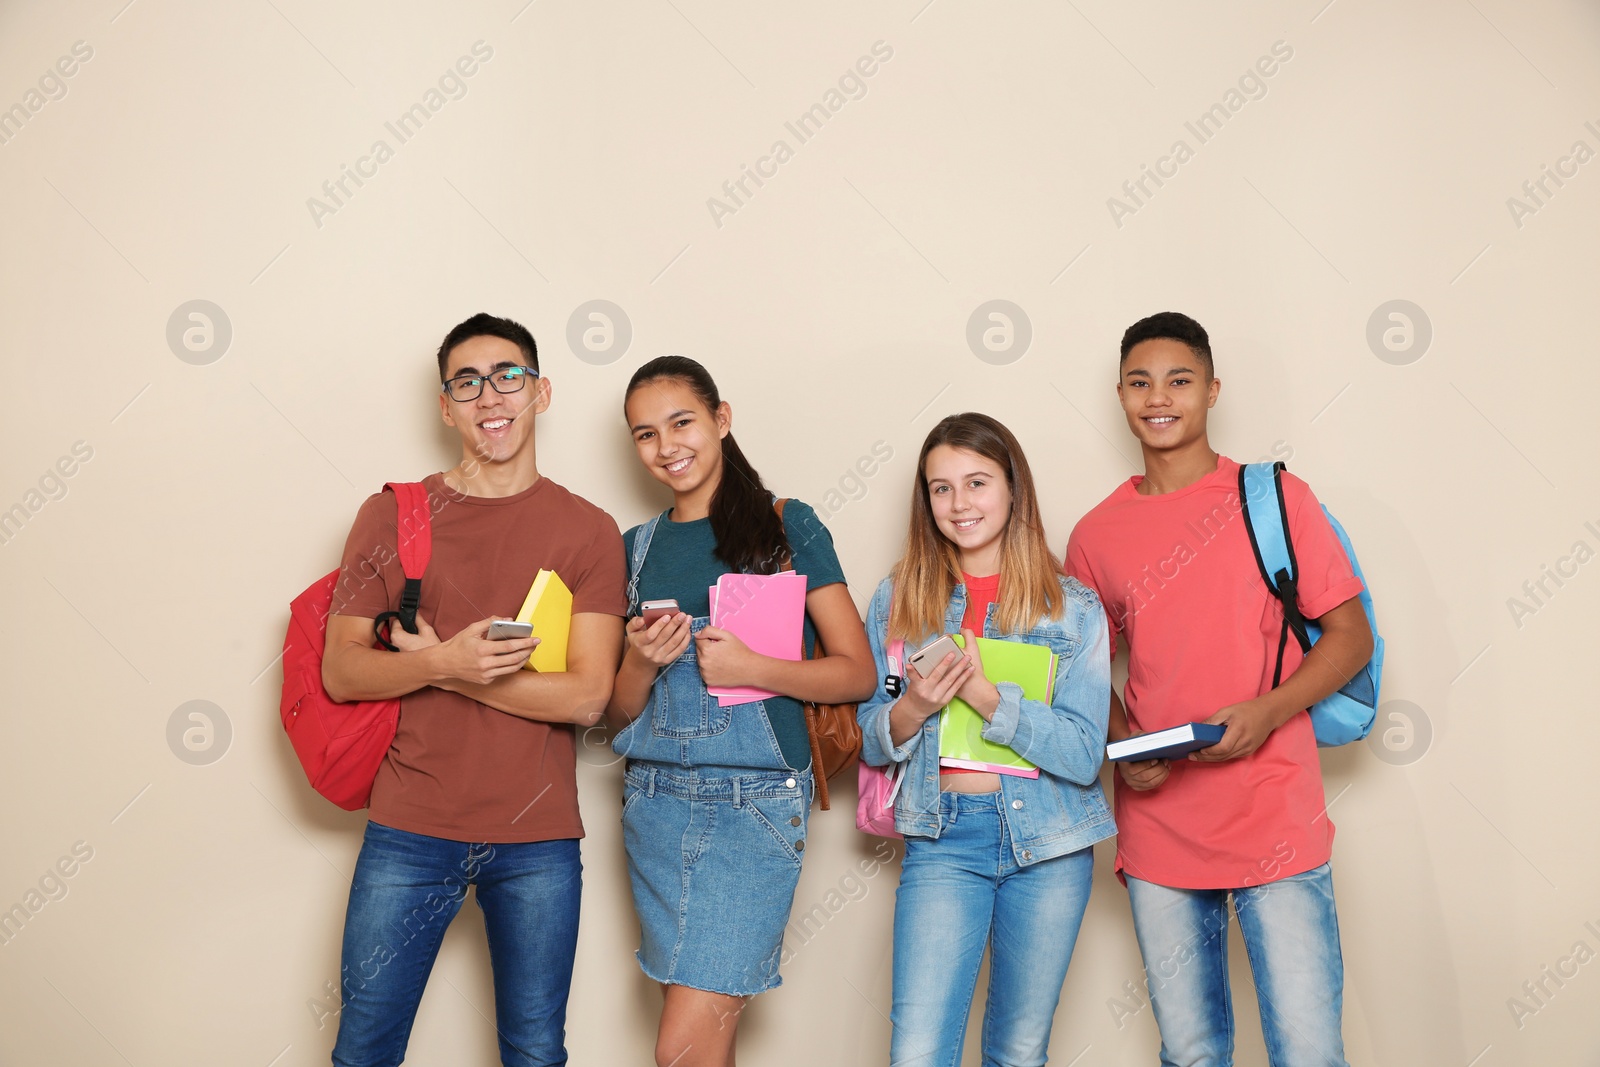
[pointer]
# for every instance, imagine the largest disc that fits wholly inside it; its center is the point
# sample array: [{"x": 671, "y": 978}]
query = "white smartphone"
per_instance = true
[
  {"x": 506, "y": 629},
  {"x": 925, "y": 659}
]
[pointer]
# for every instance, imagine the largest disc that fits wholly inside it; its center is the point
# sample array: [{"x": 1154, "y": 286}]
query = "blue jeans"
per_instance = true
[
  {"x": 958, "y": 893},
  {"x": 407, "y": 889},
  {"x": 1291, "y": 933}
]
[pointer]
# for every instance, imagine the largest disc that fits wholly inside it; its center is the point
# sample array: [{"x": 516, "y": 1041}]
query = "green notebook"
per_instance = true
[{"x": 961, "y": 741}]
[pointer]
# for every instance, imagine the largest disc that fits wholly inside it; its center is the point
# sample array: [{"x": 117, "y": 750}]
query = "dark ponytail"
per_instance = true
[{"x": 749, "y": 534}]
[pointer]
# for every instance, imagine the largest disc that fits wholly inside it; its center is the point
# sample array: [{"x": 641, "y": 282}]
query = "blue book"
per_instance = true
[{"x": 1166, "y": 744}]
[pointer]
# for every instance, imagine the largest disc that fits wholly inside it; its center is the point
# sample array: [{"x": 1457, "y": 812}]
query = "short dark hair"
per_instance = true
[
  {"x": 1170, "y": 326},
  {"x": 485, "y": 325}
]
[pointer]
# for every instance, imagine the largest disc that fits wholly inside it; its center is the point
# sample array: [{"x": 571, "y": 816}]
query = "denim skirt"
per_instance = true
[{"x": 713, "y": 863}]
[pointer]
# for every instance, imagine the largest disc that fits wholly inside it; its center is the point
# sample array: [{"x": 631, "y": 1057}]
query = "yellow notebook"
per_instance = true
[{"x": 549, "y": 608}]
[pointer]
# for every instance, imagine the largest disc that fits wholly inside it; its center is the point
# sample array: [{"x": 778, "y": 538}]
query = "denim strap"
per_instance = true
[{"x": 641, "y": 547}]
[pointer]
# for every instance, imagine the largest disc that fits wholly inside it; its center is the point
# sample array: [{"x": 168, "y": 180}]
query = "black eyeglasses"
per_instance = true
[{"x": 465, "y": 387}]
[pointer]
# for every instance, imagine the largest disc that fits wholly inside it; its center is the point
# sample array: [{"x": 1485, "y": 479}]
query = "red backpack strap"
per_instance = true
[
  {"x": 414, "y": 526},
  {"x": 414, "y": 515}
]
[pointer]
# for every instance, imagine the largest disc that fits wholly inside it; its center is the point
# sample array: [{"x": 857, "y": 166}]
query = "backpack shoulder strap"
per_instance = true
[
  {"x": 1268, "y": 526},
  {"x": 414, "y": 519},
  {"x": 641, "y": 548},
  {"x": 895, "y": 684},
  {"x": 414, "y": 537},
  {"x": 897, "y": 658},
  {"x": 1261, "y": 498}
]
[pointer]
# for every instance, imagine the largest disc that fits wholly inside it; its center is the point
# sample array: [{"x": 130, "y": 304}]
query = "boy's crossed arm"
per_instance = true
[{"x": 489, "y": 672}]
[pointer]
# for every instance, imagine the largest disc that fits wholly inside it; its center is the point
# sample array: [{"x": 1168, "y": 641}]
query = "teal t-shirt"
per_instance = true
[{"x": 682, "y": 565}]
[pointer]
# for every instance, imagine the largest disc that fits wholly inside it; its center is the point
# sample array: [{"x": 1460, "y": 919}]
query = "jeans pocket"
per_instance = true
[
  {"x": 783, "y": 819},
  {"x": 630, "y": 793}
]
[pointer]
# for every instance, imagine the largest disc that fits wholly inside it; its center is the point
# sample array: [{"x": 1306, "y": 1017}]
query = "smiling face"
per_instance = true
[
  {"x": 678, "y": 438},
  {"x": 496, "y": 426},
  {"x": 971, "y": 504},
  {"x": 1166, "y": 391}
]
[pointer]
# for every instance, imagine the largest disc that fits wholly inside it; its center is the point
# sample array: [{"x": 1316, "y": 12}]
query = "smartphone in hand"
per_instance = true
[
  {"x": 926, "y": 658},
  {"x": 651, "y": 610},
  {"x": 506, "y": 629}
]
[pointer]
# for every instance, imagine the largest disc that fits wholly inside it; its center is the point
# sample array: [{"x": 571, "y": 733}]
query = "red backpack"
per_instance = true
[{"x": 342, "y": 745}]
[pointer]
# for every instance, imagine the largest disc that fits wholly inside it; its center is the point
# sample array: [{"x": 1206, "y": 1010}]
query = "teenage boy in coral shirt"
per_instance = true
[
  {"x": 480, "y": 785},
  {"x": 1170, "y": 556}
]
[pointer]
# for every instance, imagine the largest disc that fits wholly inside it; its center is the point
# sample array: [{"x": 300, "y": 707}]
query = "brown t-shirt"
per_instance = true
[{"x": 459, "y": 769}]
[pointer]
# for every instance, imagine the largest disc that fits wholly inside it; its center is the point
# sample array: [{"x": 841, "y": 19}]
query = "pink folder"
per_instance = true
[{"x": 766, "y": 612}]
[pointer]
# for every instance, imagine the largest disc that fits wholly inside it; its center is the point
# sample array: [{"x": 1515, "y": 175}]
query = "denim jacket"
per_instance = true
[{"x": 1064, "y": 809}]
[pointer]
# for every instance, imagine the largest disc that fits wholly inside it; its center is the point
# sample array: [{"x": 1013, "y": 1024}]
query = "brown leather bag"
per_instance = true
[{"x": 833, "y": 729}]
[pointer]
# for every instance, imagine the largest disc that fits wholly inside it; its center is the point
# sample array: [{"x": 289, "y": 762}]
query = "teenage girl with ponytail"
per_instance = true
[
  {"x": 991, "y": 860},
  {"x": 715, "y": 799}
]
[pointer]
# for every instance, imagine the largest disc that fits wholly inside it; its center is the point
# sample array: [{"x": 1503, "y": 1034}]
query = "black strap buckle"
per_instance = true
[
  {"x": 893, "y": 684},
  {"x": 410, "y": 597},
  {"x": 1289, "y": 595}
]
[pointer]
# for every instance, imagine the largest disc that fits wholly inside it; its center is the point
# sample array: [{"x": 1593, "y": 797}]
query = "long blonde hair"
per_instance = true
[{"x": 930, "y": 567}]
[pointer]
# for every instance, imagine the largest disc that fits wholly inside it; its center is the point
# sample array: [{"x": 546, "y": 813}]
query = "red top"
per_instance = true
[
  {"x": 981, "y": 592},
  {"x": 1180, "y": 584}
]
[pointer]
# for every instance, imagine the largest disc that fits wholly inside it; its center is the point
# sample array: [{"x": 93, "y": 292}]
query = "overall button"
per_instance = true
[
  {"x": 788, "y": 783},
  {"x": 795, "y": 821},
  {"x": 1016, "y": 804},
  {"x": 799, "y": 846}
]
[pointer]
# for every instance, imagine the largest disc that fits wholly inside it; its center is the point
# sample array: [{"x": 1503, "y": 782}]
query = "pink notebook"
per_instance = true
[{"x": 766, "y": 612}]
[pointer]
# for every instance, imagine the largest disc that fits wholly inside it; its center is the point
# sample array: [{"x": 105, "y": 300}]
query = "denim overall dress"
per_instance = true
[{"x": 714, "y": 823}]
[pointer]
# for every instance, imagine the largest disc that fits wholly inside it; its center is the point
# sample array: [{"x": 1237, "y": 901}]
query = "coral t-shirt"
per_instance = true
[
  {"x": 459, "y": 769},
  {"x": 1180, "y": 584}
]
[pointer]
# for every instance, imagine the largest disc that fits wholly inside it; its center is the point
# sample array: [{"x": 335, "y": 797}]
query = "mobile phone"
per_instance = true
[
  {"x": 651, "y": 610},
  {"x": 925, "y": 659},
  {"x": 506, "y": 629}
]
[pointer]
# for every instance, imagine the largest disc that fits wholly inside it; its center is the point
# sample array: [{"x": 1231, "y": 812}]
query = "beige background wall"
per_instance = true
[{"x": 832, "y": 303}]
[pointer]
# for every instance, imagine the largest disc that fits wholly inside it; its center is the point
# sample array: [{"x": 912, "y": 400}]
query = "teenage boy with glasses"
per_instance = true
[
  {"x": 480, "y": 785},
  {"x": 1169, "y": 553}
]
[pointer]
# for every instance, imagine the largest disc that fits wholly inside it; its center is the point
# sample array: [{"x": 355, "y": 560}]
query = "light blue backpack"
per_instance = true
[{"x": 1344, "y": 716}]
